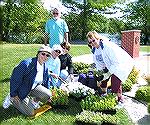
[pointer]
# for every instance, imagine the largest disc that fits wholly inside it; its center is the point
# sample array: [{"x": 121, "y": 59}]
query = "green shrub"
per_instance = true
[
  {"x": 127, "y": 86},
  {"x": 97, "y": 118},
  {"x": 97, "y": 103},
  {"x": 149, "y": 108},
  {"x": 132, "y": 79},
  {"x": 59, "y": 97},
  {"x": 80, "y": 67},
  {"x": 143, "y": 93},
  {"x": 133, "y": 75}
]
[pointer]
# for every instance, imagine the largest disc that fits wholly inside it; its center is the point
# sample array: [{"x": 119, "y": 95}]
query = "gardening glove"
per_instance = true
[
  {"x": 99, "y": 78},
  {"x": 105, "y": 70},
  {"x": 106, "y": 75},
  {"x": 53, "y": 75}
]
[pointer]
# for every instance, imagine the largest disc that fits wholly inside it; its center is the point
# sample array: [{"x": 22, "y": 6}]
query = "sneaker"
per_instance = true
[
  {"x": 120, "y": 105},
  {"x": 7, "y": 102},
  {"x": 35, "y": 105}
]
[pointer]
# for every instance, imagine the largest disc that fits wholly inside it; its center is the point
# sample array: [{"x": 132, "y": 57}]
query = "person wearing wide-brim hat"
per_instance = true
[{"x": 30, "y": 79}]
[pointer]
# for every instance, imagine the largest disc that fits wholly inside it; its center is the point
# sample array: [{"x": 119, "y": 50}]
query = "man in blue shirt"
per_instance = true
[{"x": 56, "y": 29}]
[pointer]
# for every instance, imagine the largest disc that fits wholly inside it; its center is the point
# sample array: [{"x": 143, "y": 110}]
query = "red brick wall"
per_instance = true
[{"x": 130, "y": 42}]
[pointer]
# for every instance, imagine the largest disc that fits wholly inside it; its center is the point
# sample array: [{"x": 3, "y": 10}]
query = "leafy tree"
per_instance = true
[
  {"x": 138, "y": 17},
  {"x": 1, "y": 24},
  {"x": 87, "y": 11},
  {"x": 25, "y": 21}
]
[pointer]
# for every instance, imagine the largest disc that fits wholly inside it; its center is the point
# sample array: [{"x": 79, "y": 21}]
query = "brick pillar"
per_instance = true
[{"x": 130, "y": 42}]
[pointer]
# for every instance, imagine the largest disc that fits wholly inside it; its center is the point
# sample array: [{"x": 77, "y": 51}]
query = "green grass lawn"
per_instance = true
[
  {"x": 11, "y": 55},
  {"x": 145, "y": 48}
]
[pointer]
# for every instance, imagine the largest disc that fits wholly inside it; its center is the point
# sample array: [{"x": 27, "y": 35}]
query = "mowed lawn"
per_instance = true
[{"x": 10, "y": 56}]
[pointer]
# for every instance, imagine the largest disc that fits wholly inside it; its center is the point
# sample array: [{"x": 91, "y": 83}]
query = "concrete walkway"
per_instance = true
[
  {"x": 142, "y": 62},
  {"x": 136, "y": 110}
]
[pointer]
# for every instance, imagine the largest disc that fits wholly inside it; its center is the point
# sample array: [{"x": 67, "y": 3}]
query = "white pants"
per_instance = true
[{"x": 25, "y": 106}]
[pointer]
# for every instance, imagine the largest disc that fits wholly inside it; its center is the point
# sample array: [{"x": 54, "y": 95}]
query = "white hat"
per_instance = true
[
  {"x": 44, "y": 48},
  {"x": 57, "y": 47}
]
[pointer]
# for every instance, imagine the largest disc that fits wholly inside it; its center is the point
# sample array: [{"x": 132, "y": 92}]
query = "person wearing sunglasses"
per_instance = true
[
  {"x": 66, "y": 69},
  {"x": 30, "y": 80},
  {"x": 56, "y": 29},
  {"x": 109, "y": 57},
  {"x": 53, "y": 64}
]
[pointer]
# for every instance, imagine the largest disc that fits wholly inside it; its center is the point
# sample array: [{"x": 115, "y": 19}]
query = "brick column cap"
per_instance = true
[{"x": 131, "y": 31}]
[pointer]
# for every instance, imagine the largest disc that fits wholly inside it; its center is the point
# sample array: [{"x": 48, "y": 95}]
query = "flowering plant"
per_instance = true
[
  {"x": 59, "y": 97},
  {"x": 78, "y": 90}
]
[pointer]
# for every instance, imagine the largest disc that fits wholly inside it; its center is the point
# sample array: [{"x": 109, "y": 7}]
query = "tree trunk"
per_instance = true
[
  {"x": 1, "y": 23},
  {"x": 84, "y": 20}
]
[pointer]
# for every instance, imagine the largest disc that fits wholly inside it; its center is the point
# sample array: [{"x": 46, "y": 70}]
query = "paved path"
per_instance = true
[
  {"x": 136, "y": 110},
  {"x": 142, "y": 62}
]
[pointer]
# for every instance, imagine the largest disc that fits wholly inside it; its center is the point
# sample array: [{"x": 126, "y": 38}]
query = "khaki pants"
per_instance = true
[{"x": 25, "y": 106}]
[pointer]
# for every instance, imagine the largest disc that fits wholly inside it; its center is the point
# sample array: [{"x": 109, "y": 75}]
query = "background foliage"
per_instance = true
[{"x": 24, "y": 21}]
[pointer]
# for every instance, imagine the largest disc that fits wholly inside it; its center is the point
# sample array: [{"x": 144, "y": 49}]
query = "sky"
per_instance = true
[{"x": 48, "y": 4}]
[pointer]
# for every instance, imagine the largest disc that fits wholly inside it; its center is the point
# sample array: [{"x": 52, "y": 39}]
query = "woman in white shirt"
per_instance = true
[{"x": 107, "y": 54}]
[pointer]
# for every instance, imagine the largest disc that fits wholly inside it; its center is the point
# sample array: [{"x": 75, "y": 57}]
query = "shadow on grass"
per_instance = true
[
  {"x": 8, "y": 113},
  {"x": 73, "y": 108},
  {"x": 5, "y": 80}
]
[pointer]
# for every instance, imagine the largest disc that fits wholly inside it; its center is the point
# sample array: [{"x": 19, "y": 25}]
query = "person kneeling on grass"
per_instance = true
[
  {"x": 30, "y": 79},
  {"x": 66, "y": 69}
]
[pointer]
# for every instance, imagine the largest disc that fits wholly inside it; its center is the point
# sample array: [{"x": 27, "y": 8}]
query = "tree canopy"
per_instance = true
[{"x": 138, "y": 17}]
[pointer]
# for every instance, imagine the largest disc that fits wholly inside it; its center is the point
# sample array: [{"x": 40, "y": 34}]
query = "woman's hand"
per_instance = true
[
  {"x": 15, "y": 99},
  {"x": 99, "y": 84},
  {"x": 54, "y": 75}
]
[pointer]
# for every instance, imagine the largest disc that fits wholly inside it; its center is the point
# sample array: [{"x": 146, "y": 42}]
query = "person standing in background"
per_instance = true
[{"x": 56, "y": 29}]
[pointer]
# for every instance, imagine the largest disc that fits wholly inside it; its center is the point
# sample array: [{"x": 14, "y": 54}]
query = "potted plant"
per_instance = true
[{"x": 59, "y": 98}]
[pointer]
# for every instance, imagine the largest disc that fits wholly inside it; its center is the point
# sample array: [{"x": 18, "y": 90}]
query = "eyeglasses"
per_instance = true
[
  {"x": 91, "y": 41},
  {"x": 55, "y": 13},
  {"x": 58, "y": 51},
  {"x": 44, "y": 54}
]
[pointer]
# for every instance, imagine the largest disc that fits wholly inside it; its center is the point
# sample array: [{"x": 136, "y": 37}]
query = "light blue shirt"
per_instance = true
[
  {"x": 56, "y": 30},
  {"x": 54, "y": 66}
]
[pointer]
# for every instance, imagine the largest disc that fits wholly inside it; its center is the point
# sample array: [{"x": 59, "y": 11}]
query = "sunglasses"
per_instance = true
[
  {"x": 65, "y": 48},
  {"x": 91, "y": 41},
  {"x": 55, "y": 13},
  {"x": 44, "y": 54},
  {"x": 58, "y": 51}
]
